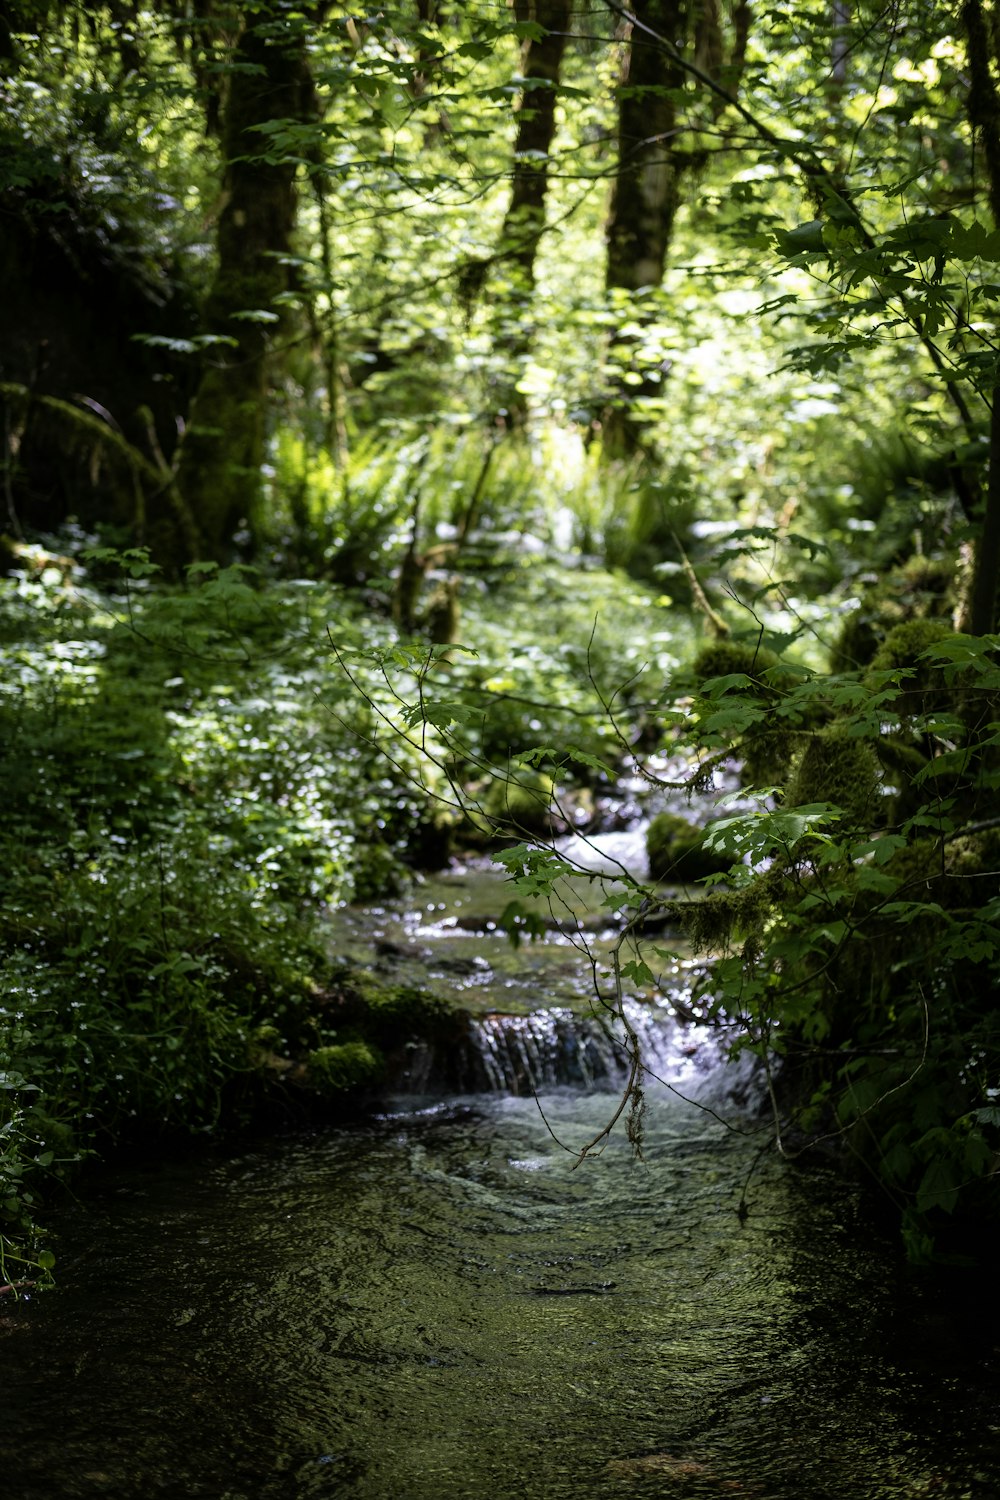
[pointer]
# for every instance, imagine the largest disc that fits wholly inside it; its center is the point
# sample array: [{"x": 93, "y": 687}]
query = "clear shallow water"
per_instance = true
[{"x": 432, "y": 1306}]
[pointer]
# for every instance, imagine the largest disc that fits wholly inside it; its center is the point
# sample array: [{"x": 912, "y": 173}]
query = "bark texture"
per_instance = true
[
  {"x": 223, "y": 450},
  {"x": 659, "y": 47},
  {"x": 524, "y": 221},
  {"x": 646, "y": 192},
  {"x": 541, "y": 66},
  {"x": 980, "y": 612}
]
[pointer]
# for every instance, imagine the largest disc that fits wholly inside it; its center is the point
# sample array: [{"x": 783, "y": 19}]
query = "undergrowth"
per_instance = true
[{"x": 190, "y": 780}]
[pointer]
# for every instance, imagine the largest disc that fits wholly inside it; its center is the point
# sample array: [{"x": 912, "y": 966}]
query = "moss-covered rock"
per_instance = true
[
  {"x": 922, "y": 588},
  {"x": 834, "y": 766},
  {"x": 344, "y": 1066},
  {"x": 906, "y": 642},
  {"x": 924, "y": 689},
  {"x": 726, "y": 658},
  {"x": 521, "y": 802},
  {"x": 393, "y": 1014},
  {"x": 677, "y": 851}
]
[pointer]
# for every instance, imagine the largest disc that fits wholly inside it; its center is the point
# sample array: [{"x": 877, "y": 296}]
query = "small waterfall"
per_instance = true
[
  {"x": 619, "y": 853},
  {"x": 519, "y": 1054}
]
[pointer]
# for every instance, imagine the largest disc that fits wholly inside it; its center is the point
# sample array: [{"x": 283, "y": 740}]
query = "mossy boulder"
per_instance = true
[
  {"x": 727, "y": 658},
  {"x": 921, "y": 589},
  {"x": 393, "y": 1014},
  {"x": 521, "y": 802},
  {"x": 358, "y": 1038},
  {"x": 766, "y": 746},
  {"x": 677, "y": 851},
  {"x": 344, "y": 1066},
  {"x": 906, "y": 643},
  {"x": 924, "y": 689},
  {"x": 835, "y": 766}
]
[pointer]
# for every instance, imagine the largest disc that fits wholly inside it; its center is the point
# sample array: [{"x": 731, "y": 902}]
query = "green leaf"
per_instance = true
[
  {"x": 548, "y": 754},
  {"x": 533, "y": 871},
  {"x": 804, "y": 239},
  {"x": 938, "y": 1187},
  {"x": 880, "y": 849},
  {"x": 868, "y": 879},
  {"x": 989, "y": 1114},
  {"x": 638, "y": 972}
]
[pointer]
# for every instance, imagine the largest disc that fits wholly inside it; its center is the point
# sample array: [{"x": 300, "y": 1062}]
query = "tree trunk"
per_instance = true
[
  {"x": 524, "y": 222},
  {"x": 979, "y": 615},
  {"x": 981, "y": 612},
  {"x": 541, "y": 64},
  {"x": 223, "y": 449},
  {"x": 647, "y": 190}
]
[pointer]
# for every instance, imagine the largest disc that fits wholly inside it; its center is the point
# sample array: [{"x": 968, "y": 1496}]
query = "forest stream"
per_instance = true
[
  {"x": 428, "y": 430},
  {"x": 432, "y": 1304}
]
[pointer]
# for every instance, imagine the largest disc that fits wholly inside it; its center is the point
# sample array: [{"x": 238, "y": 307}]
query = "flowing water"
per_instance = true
[{"x": 433, "y": 1304}]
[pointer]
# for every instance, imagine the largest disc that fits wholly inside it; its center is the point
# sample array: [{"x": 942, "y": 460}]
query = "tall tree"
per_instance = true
[
  {"x": 223, "y": 449},
  {"x": 524, "y": 222},
  {"x": 655, "y": 153},
  {"x": 983, "y": 55}
]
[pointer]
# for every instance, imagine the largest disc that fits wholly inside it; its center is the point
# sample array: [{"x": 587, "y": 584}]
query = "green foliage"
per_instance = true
[
  {"x": 341, "y": 519},
  {"x": 857, "y": 939},
  {"x": 864, "y": 951},
  {"x": 181, "y": 801},
  {"x": 190, "y": 772},
  {"x": 748, "y": 694},
  {"x": 192, "y": 777}
]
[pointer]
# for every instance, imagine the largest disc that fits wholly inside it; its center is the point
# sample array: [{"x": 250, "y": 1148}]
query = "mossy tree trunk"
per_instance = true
[{"x": 223, "y": 449}]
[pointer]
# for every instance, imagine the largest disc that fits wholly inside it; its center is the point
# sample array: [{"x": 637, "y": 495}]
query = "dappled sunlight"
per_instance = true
[{"x": 499, "y": 676}]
